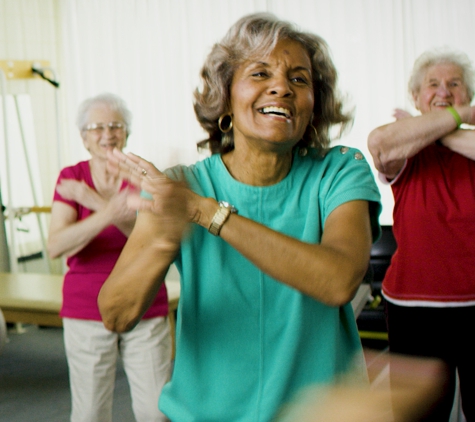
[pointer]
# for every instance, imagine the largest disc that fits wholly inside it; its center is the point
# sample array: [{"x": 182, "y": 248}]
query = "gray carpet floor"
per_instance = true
[{"x": 34, "y": 385}]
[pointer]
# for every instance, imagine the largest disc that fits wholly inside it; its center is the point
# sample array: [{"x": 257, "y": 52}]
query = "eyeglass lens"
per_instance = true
[{"x": 100, "y": 127}]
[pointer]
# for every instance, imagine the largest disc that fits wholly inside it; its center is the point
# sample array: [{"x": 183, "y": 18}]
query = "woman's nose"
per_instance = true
[
  {"x": 280, "y": 86},
  {"x": 443, "y": 90},
  {"x": 108, "y": 132}
]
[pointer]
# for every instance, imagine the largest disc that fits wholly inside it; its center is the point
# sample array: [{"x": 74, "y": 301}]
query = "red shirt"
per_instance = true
[{"x": 434, "y": 227}]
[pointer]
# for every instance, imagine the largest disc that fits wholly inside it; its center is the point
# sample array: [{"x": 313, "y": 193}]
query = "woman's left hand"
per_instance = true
[
  {"x": 141, "y": 173},
  {"x": 172, "y": 202},
  {"x": 168, "y": 196}
]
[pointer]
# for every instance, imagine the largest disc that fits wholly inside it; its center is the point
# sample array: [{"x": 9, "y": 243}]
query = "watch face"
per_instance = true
[{"x": 225, "y": 204}]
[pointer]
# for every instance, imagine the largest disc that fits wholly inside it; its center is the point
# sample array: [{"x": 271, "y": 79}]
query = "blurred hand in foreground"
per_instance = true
[{"x": 415, "y": 386}]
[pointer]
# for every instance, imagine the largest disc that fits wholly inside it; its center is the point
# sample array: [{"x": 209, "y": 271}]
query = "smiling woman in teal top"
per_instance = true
[{"x": 271, "y": 234}]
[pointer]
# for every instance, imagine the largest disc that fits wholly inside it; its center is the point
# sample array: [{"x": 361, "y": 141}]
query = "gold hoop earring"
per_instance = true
[
  {"x": 220, "y": 122},
  {"x": 314, "y": 131}
]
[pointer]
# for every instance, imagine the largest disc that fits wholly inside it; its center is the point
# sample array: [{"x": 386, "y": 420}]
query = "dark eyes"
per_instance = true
[
  {"x": 300, "y": 79},
  {"x": 452, "y": 84},
  {"x": 295, "y": 79}
]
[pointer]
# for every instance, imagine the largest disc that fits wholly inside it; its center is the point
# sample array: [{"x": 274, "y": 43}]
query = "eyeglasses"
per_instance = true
[{"x": 99, "y": 128}]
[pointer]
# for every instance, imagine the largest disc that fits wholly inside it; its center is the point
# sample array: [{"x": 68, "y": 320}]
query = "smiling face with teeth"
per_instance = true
[
  {"x": 98, "y": 144},
  {"x": 272, "y": 99},
  {"x": 442, "y": 86}
]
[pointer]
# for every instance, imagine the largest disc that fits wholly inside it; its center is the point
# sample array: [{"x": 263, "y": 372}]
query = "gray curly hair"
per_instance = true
[{"x": 254, "y": 36}]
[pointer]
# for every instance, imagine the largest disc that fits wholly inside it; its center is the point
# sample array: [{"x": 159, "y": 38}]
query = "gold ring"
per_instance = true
[{"x": 144, "y": 172}]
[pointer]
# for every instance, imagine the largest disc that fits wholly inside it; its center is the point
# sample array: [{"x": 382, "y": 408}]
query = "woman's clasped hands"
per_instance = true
[{"x": 170, "y": 202}]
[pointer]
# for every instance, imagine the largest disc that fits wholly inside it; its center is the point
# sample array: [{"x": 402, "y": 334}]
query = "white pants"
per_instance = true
[{"x": 92, "y": 352}]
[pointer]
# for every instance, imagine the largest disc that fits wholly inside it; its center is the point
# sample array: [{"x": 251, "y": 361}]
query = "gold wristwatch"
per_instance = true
[{"x": 223, "y": 213}]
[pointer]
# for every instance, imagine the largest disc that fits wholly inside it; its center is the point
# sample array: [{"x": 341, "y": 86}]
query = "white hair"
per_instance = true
[
  {"x": 442, "y": 55},
  {"x": 114, "y": 102}
]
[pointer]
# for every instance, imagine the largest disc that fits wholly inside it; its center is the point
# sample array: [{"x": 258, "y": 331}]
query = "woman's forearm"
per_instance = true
[
  {"x": 329, "y": 272},
  {"x": 138, "y": 274},
  {"x": 461, "y": 141},
  {"x": 69, "y": 239},
  {"x": 392, "y": 144}
]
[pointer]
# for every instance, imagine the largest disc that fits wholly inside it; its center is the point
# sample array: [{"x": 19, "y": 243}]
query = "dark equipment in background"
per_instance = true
[{"x": 371, "y": 321}]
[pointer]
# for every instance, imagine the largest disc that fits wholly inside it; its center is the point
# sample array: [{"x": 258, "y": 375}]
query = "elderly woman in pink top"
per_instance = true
[{"x": 90, "y": 224}]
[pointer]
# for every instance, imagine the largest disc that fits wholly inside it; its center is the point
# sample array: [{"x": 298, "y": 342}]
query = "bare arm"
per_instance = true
[
  {"x": 150, "y": 249},
  {"x": 137, "y": 275},
  {"x": 392, "y": 144},
  {"x": 330, "y": 272},
  {"x": 80, "y": 192},
  {"x": 461, "y": 141},
  {"x": 67, "y": 236}
]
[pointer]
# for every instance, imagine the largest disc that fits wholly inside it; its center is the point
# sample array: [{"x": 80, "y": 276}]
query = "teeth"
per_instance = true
[{"x": 277, "y": 110}]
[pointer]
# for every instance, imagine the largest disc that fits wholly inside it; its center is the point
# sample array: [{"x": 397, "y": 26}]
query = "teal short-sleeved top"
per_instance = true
[{"x": 246, "y": 343}]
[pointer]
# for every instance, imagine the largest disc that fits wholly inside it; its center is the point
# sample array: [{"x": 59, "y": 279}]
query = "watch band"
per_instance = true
[{"x": 221, "y": 216}]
